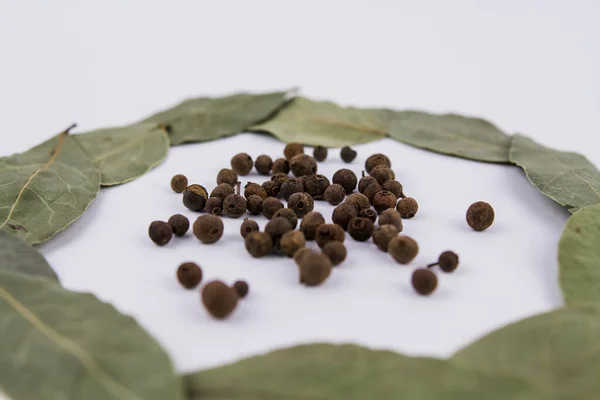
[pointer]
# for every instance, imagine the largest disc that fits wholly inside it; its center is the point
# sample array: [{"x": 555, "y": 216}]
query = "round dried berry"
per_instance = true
[
  {"x": 179, "y": 224},
  {"x": 234, "y": 206},
  {"x": 391, "y": 217},
  {"x": 288, "y": 214},
  {"x": 370, "y": 214},
  {"x": 291, "y": 186},
  {"x": 291, "y": 242},
  {"x": 208, "y": 228},
  {"x": 263, "y": 164},
  {"x": 227, "y": 176},
  {"x": 160, "y": 232},
  {"x": 365, "y": 182},
  {"x": 214, "y": 206},
  {"x": 358, "y": 200},
  {"x": 258, "y": 244},
  {"x": 179, "y": 183},
  {"x": 329, "y": 232},
  {"x": 334, "y": 194},
  {"x": 383, "y": 234},
  {"x": 346, "y": 178},
  {"x": 301, "y": 203},
  {"x": 384, "y": 200},
  {"x": 394, "y": 187},
  {"x": 375, "y": 160},
  {"x": 254, "y": 205},
  {"x": 242, "y": 164},
  {"x": 219, "y": 299},
  {"x": 382, "y": 174},
  {"x": 403, "y": 249},
  {"x": 336, "y": 252},
  {"x": 279, "y": 178},
  {"x": 221, "y": 191},
  {"x": 407, "y": 207},
  {"x": 270, "y": 206},
  {"x": 424, "y": 281},
  {"x": 480, "y": 216},
  {"x": 360, "y": 229},
  {"x": 303, "y": 164},
  {"x": 293, "y": 149},
  {"x": 241, "y": 289},
  {"x": 448, "y": 261},
  {"x": 347, "y": 154},
  {"x": 315, "y": 268},
  {"x": 310, "y": 223},
  {"x": 254, "y": 189},
  {"x": 298, "y": 255},
  {"x": 189, "y": 275},
  {"x": 277, "y": 227},
  {"x": 372, "y": 190},
  {"x": 280, "y": 165},
  {"x": 343, "y": 214},
  {"x": 248, "y": 226},
  {"x": 320, "y": 153},
  {"x": 315, "y": 185},
  {"x": 272, "y": 188},
  {"x": 194, "y": 197}
]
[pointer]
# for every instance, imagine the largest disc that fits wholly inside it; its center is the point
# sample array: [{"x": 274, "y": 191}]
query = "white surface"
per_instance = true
[{"x": 530, "y": 66}]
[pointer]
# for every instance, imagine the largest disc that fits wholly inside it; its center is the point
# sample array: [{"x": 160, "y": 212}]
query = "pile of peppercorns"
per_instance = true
[{"x": 380, "y": 199}]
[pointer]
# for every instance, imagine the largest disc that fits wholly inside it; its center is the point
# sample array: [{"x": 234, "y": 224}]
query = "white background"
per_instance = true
[{"x": 529, "y": 66}]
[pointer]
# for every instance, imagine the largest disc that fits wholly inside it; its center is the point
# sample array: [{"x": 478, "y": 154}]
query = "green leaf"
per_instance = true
[
  {"x": 62, "y": 344},
  {"x": 126, "y": 153},
  {"x": 556, "y": 352},
  {"x": 346, "y": 372},
  {"x": 46, "y": 188},
  {"x": 567, "y": 178},
  {"x": 208, "y": 118},
  {"x": 323, "y": 123},
  {"x": 450, "y": 134},
  {"x": 17, "y": 256}
]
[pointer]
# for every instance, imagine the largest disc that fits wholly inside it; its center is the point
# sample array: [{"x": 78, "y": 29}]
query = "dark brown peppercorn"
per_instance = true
[
  {"x": 242, "y": 164},
  {"x": 194, "y": 197},
  {"x": 407, "y": 207},
  {"x": 448, "y": 261},
  {"x": 279, "y": 178},
  {"x": 254, "y": 205},
  {"x": 301, "y": 203},
  {"x": 314, "y": 267},
  {"x": 302, "y": 165},
  {"x": 365, "y": 182},
  {"x": 329, "y": 232},
  {"x": 320, "y": 153},
  {"x": 394, "y": 187},
  {"x": 227, "y": 176},
  {"x": 277, "y": 227},
  {"x": 384, "y": 200},
  {"x": 208, "y": 228},
  {"x": 219, "y": 299},
  {"x": 241, "y": 289},
  {"x": 248, "y": 226},
  {"x": 375, "y": 160},
  {"x": 189, "y": 275},
  {"x": 360, "y": 229},
  {"x": 293, "y": 149},
  {"x": 214, "y": 206},
  {"x": 234, "y": 206},
  {"x": 288, "y": 214},
  {"x": 291, "y": 242},
  {"x": 346, "y": 178},
  {"x": 160, "y": 232},
  {"x": 179, "y": 224},
  {"x": 424, "y": 281},
  {"x": 254, "y": 189},
  {"x": 383, "y": 234},
  {"x": 370, "y": 214},
  {"x": 272, "y": 188},
  {"x": 270, "y": 206},
  {"x": 258, "y": 244},
  {"x": 298, "y": 255},
  {"x": 280, "y": 166},
  {"x": 358, "y": 200},
  {"x": 315, "y": 185},
  {"x": 343, "y": 214},
  {"x": 263, "y": 164},
  {"x": 179, "y": 183},
  {"x": 480, "y": 216},
  {"x": 334, "y": 194},
  {"x": 403, "y": 249},
  {"x": 291, "y": 186},
  {"x": 310, "y": 223},
  {"x": 382, "y": 174},
  {"x": 391, "y": 217},
  {"x": 336, "y": 252},
  {"x": 221, "y": 191},
  {"x": 347, "y": 154},
  {"x": 372, "y": 190}
]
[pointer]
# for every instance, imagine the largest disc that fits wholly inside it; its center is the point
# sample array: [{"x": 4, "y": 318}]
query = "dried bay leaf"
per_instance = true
[
  {"x": 46, "y": 188},
  {"x": 567, "y": 178},
  {"x": 323, "y": 123},
  {"x": 346, "y": 372},
  {"x": 126, "y": 153},
  {"x": 17, "y": 256},
  {"x": 62, "y": 344},
  {"x": 208, "y": 118}
]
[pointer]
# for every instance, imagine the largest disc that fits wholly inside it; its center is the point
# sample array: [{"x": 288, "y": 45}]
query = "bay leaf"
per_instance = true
[
  {"x": 451, "y": 134},
  {"x": 323, "y": 123},
  {"x": 62, "y": 344},
  {"x": 207, "y": 118},
  {"x": 17, "y": 256},
  {"x": 46, "y": 188},
  {"x": 346, "y": 372},
  {"x": 567, "y": 178},
  {"x": 556, "y": 352},
  {"x": 125, "y": 153}
]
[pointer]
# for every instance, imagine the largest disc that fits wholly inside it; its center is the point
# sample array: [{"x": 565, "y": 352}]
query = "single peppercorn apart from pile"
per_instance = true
[
  {"x": 358, "y": 200},
  {"x": 227, "y": 176},
  {"x": 280, "y": 165},
  {"x": 219, "y": 299},
  {"x": 288, "y": 214},
  {"x": 291, "y": 186},
  {"x": 315, "y": 185},
  {"x": 179, "y": 224},
  {"x": 391, "y": 217},
  {"x": 347, "y": 154},
  {"x": 160, "y": 232},
  {"x": 334, "y": 194},
  {"x": 179, "y": 183},
  {"x": 329, "y": 232},
  {"x": 234, "y": 205},
  {"x": 375, "y": 160},
  {"x": 383, "y": 234},
  {"x": 270, "y": 206},
  {"x": 382, "y": 174},
  {"x": 291, "y": 242},
  {"x": 403, "y": 249},
  {"x": 254, "y": 189},
  {"x": 277, "y": 227},
  {"x": 241, "y": 288},
  {"x": 424, "y": 281},
  {"x": 189, "y": 274},
  {"x": 263, "y": 164},
  {"x": 407, "y": 207},
  {"x": 258, "y": 244},
  {"x": 242, "y": 164},
  {"x": 301, "y": 203},
  {"x": 480, "y": 216},
  {"x": 303, "y": 165},
  {"x": 293, "y": 149},
  {"x": 320, "y": 153},
  {"x": 214, "y": 206},
  {"x": 343, "y": 214},
  {"x": 310, "y": 223},
  {"x": 448, "y": 261},
  {"x": 360, "y": 229},
  {"x": 248, "y": 226},
  {"x": 346, "y": 178},
  {"x": 336, "y": 252},
  {"x": 315, "y": 268},
  {"x": 254, "y": 204},
  {"x": 194, "y": 197},
  {"x": 395, "y": 187},
  {"x": 208, "y": 228},
  {"x": 370, "y": 214},
  {"x": 365, "y": 182},
  {"x": 221, "y": 191},
  {"x": 272, "y": 188},
  {"x": 384, "y": 200}
]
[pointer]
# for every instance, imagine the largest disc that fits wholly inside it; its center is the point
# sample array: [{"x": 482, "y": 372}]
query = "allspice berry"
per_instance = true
[
  {"x": 248, "y": 226},
  {"x": 383, "y": 234},
  {"x": 334, "y": 194},
  {"x": 234, "y": 206},
  {"x": 368, "y": 213},
  {"x": 384, "y": 200},
  {"x": 293, "y": 149},
  {"x": 279, "y": 178},
  {"x": 382, "y": 174},
  {"x": 315, "y": 268},
  {"x": 189, "y": 275},
  {"x": 358, "y": 200},
  {"x": 160, "y": 232},
  {"x": 315, "y": 185},
  {"x": 272, "y": 188},
  {"x": 336, "y": 252},
  {"x": 343, "y": 214},
  {"x": 329, "y": 232},
  {"x": 391, "y": 217},
  {"x": 208, "y": 228},
  {"x": 310, "y": 223},
  {"x": 407, "y": 207},
  {"x": 480, "y": 216},
  {"x": 194, "y": 197},
  {"x": 254, "y": 189},
  {"x": 214, "y": 206},
  {"x": 277, "y": 227},
  {"x": 301, "y": 203},
  {"x": 221, "y": 191},
  {"x": 448, "y": 261},
  {"x": 227, "y": 176},
  {"x": 219, "y": 299},
  {"x": 254, "y": 204},
  {"x": 395, "y": 187},
  {"x": 291, "y": 186},
  {"x": 403, "y": 249},
  {"x": 361, "y": 229},
  {"x": 424, "y": 281},
  {"x": 242, "y": 164},
  {"x": 280, "y": 165},
  {"x": 270, "y": 206},
  {"x": 298, "y": 255},
  {"x": 179, "y": 183},
  {"x": 258, "y": 244},
  {"x": 375, "y": 160},
  {"x": 303, "y": 164},
  {"x": 372, "y": 190},
  {"x": 365, "y": 182},
  {"x": 346, "y": 178},
  {"x": 288, "y": 214},
  {"x": 263, "y": 164},
  {"x": 241, "y": 288},
  {"x": 320, "y": 153},
  {"x": 347, "y": 154},
  {"x": 291, "y": 242},
  {"x": 179, "y": 224}
]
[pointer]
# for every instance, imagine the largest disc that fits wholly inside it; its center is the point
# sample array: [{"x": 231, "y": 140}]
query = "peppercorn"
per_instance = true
[
  {"x": 334, "y": 194},
  {"x": 424, "y": 281},
  {"x": 480, "y": 216},
  {"x": 241, "y": 288},
  {"x": 336, "y": 252},
  {"x": 189, "y": 275},
  {"x": 227, "y": 176},
  {"x": 343, "y": 214},
  {"x": 160, "y": 232},
  {"x": 258, "y": 244},
  {"x": 368, "y": 213},
  {"x": 315, "y": 268},
  {"x": 300, "y": 253},
  {"x": 372, "y": 190},
  {"x": 391, "y": 217},
  {"x": 293, "y": 149},
  {"x": 358, "y": 200},
  {"x": 365, "y": 182},
  {"x": 288, "y": 214},
  {"x": 375, "y": 160},
  {"x": 291, "y": 242},
  {"x": 242, "y": 163},
  {"x": 219, "y": 299},
  {"x": 301, "y": 203},
  {"x": 291, "y": 186},
  {"x": 234, "y": 205},
  {"x": 214, "y": 206},
  {"x": 179, "y": 183},
  {"x": 310, "y": 223},
  {"x": 248, "y": 226},
  {"x": 360, "y": 229},
  {"x": 221, "y": 191},
  {"x": 384, "y": 200},
  {"x": 280, "y": 165},
  {"x": 347, "y": 154},
  {"x": 179, "y": 224},
  {"x": 407, "y": 207},
  {"x": 403, "y": 249},
  {"x": 270, "y": 206},
  {"x": 254, "y": 189},
  {"x": 303, "y": 164},
  {"x": 254, "y": 204},
  {"x": 277, "y": 227},
  {"x": 320, "y": 153},
  {"x": 383, "y": 234},
  {"x": 329, "y": 232},
  {"x": 395, "y": 187},
  {"x": 382, "y": 174},
  {"x": 263, "y": 164},
  {"x": 194, "y": 197},
  {"x": 346, "y": 178},
  {"x": 272, "y": 188},
  {"x": 279, "y": 178},
  {"x": 315, "y": 185},
  {"x": 208, "y": 228},
  {"x": 448, "y": 261}
]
